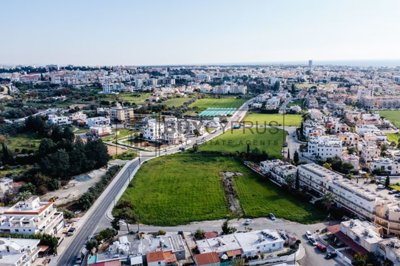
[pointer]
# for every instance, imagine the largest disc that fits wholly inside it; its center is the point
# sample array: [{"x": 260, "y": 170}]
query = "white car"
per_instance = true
[{"x": 308, "y": 234}]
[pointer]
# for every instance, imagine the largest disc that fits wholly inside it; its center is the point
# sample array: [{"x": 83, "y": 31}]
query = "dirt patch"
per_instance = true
[
  {"x": 112, "y": 150},
  {"x": 230, "y": 192}
]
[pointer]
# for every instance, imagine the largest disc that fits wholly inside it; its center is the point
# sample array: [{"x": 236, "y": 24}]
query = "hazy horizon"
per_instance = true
[{"x": 178, "y": 32}]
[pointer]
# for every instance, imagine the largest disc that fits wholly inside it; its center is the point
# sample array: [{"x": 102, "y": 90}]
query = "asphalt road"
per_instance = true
[
  {"x": 86, "y": 230},
  {"x": 96, "y": 215}
]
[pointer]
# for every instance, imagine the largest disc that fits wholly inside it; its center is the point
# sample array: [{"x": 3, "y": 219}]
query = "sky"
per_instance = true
[{"x": 172, "y": 32}]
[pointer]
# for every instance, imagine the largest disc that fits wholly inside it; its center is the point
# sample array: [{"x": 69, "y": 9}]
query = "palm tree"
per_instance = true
[{"x": 328, "y": 200}]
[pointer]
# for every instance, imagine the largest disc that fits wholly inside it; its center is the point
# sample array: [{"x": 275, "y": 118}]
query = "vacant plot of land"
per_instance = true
[
  {"x": 258, "y": 197},
  {"x": 137, "y": 98},
  {"x": 23, "y": 142},
  {"x": 393, "y": 116},
  {"x": 175, "y": 102},
  {"x": 122, "y": 133},
  {"x": 181, "y": 188},
  {"x": 178, "y": 189},
  {"x": 273, "y": 119},
  {"x": 269, "y": 140},
  {"x": 224, "y": 102}
]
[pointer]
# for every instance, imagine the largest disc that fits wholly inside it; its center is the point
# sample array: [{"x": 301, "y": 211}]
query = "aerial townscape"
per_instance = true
[{"x": 127, "y": 161}]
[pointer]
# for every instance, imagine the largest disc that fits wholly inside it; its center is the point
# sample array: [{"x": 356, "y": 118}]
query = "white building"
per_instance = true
[
  {"x": 59, "y": 120},
  {"x": 31, "y": 217},
  {"x": 385, "y": 165},
  {"x": 363, "y": 233},
  {"x": 273, "y": 103},
  {"x": 18, "y": 251},
  {"x": 98, "y": 121},
  {"x": 280, "y": 171},
  {"x": 101, "y": 130},
  {"x": 250, "y": 243},
  {"x": 79, "y": 117},
  {"x": 355, "y": 197},
  {"x": 324, "y": 147},
  {"x": 6, "y": 185}
]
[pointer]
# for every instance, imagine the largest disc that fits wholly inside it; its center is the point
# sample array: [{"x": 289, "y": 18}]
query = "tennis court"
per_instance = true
[{"x": 210, "y": 112}]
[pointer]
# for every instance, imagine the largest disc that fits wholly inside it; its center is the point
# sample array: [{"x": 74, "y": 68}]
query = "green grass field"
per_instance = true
[
  {"x": 175, "y": 102},
  {"x": 393, "y": 137},
  {"x": 259, "y": 196},
  {"x": 181, "y": 188},
  {"x": 392, "y": 115},
  {"x": 23, "y": 141},
  {"x": 138, "y": 98},
  {"x": 223, "y": 102},
  {"x": 269, "y": 140},
  {"x": 273, "y": 119}
]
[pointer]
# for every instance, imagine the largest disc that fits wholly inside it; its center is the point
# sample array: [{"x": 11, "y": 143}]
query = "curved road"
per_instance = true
[{"x": 89, "y": 222}]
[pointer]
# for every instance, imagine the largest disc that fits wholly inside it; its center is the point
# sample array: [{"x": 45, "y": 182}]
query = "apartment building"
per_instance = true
[
  {"x": 59, "y": 120},
  {"x": 282, "y": 172},
  {"x": 385, "y": 165},
  {"x": 363, "y": 199},
  {"x": 356, "y": 198},
  {"x": 363, "y": 233},
  {"x": 324, "y": 147},
  {"x": 18, "y": 251},
  {"x": 31, "y": 217},
  {"x": 122, "y": 114},
  {"x": 98, "y": 121}
]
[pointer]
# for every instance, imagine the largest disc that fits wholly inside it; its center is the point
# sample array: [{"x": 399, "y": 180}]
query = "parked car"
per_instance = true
[
  {"x": 78, "y": 260},
  {"x": 330, "y": 255},
  {"x": 71, "y": 231},
  {"x": 312, "y": 241},
  {"x": 308, "y": 234},
  {"x": 393, "y": 192},
  {"x": 321, "y": 247},
  {"x": 397, "y": 195},
  {"x": 247, "y": 222},
  {"x": 272, "y": 216},
  {"x": 381, "y": 186}
]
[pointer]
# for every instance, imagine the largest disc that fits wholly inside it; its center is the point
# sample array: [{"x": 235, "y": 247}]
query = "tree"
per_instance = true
[
  {"x": 199, "y": 234},
  {"x": 46, "y": 146},
  {"x": 296, "y": 158},
  {"x": 387, "y": 181},
  {"x": 50, "y": 241},
  {"x": 106, "y": 234},
  {"x": 96, "y": 153},
  {"x": 8, "y": 157},
  {"x": 226, "y": 229},
  {"x": 297, "y": 181},
  {"x": 327, "y": 166},
  {"x": 68, "y": 134},
  {"x": 276, "y": 86},
  {"x": 328, "y": 200},
  {"x": 92, "y": 245},
  {"x": 22, "y": 196},
  {"x": 28, "y": 187},
  {"x": 56, "y": 164}
]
